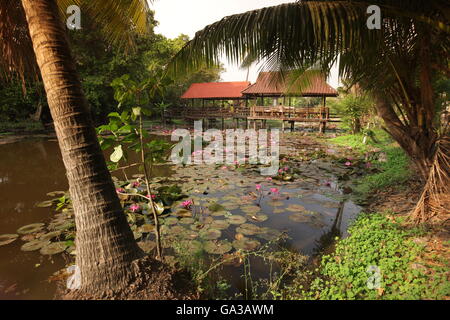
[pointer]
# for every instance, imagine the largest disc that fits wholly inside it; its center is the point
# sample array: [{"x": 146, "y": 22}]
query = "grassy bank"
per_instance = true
[
  {"x": 393, "y": 167},
  {"x": 20, "y": 126},
  {"x": 381, "y": 259}
]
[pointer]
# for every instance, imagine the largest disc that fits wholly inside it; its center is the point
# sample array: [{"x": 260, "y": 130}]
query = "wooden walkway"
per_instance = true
[{"x": 254, "y": 114}]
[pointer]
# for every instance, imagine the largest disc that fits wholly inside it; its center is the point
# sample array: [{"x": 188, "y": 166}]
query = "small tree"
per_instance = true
[{"x": 354, "y": 110}]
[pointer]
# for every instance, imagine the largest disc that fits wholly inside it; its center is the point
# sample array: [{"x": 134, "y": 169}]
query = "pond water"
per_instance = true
[{"x": 31, "y": 168}]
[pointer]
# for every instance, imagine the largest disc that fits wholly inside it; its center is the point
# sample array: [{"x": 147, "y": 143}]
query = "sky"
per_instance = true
[{"x": 189, "y": 16}]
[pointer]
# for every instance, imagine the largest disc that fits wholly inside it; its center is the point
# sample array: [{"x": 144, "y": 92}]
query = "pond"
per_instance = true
[{"x": 307, "y": 210}]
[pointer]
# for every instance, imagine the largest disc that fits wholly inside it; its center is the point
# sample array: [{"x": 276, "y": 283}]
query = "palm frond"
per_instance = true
[{"x": 119, "y": 20}]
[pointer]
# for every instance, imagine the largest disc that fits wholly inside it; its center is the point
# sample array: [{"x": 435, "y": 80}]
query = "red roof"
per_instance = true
[
  {"x": 267, "y": 84},
  {"x": 216, "y": 90}
]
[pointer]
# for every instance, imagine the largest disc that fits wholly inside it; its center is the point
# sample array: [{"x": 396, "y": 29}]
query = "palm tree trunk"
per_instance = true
[{"x": 104, "y": 243}]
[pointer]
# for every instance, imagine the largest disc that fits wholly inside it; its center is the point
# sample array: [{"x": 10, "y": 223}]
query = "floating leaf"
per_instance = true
[
  {"x": 170, "y": 221},
  {"x": 30, "y": 228},
  {"x": 246, "y": 244},
  {"x": 187, "y": 220},
  {"x": 210, "y": 234},
  {"x": 50, "y": 235},
  {"x": 147, "y": 246},
  {"x": 236, "y": 219},
  {"x": 44, "y": 204},
  {"x": 34, "y": 245},
  {"x": 7, "y": 239},
  {"x": 53, "y": 248},
  {"x": 295, "y": 208},
  {"x": 217, "y": 247},
  {"x": 220, "y": 224}
]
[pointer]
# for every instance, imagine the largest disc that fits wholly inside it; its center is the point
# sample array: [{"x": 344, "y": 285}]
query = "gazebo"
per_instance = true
[{"x": 271, "y": 85}]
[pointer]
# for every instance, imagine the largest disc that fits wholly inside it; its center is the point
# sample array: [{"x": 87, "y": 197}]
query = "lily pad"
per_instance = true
[
  {"x": 147, "y": 246},
  {"x": 188, "y": 234},
  {"x": 278, "y": 210},
  {"x": 248, "y": 229},
  {"x": 30, "y": 228},
  {"x": 217, "y": 247},
  {"x": 251, "y": 209},
  {"x": 7, "y": 239},
  {"x": 176, "y": 230},
  {"x": 187, "y": 220},
  {"x": 44, "y": 204},
  {"x": 50, "y": 235},
  {"x": 63, "y": 225},
  {"x": 34, "y": 245},
  {"x": 137, "y": 235},
  {"x": 246, "y": 244},
  {"x": 210, "y": 234},
  {"x": 236, "y": 219},
  {"x": 146, "y": 228},
  {"x": 295, "y": 208},
  {"x": 220, "y": 224},
  {"x": 275, "y": 203},
  {"x": 54, "y": 248},
  {"x": 269, "y": 234},
  {"x": 258, "y": 217},
  {"x": 183, "y": 213},
  {"x": 191, "y": 246},
  {"x": 171, "y": 221}
]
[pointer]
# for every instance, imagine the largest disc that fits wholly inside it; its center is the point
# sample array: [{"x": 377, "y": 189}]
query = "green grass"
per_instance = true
[
  {"x": 356, "y": 141},
  {"x": 389, "y": 248},
  {"x": 26, "y": 125},
  {"x": 394, "y": 172}
]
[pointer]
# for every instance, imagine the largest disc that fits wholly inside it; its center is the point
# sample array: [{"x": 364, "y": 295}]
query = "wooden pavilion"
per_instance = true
[
  {"x": 268, "y": 86},
  {"x": 243, "y": 100}
]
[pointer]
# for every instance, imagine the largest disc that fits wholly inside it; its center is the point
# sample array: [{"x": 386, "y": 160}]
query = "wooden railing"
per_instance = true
[
  {"x": 286, "y": 113},
  {"x": 255, "y": 112}
]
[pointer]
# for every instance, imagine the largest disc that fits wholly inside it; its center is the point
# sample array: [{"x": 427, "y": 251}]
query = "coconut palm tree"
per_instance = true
[
  {"x": 33, "y": 42},
  {"x": 398, "y": 64}
]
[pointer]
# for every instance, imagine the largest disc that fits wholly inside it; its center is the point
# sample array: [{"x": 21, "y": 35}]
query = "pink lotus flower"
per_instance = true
[
  {"x": 136, "y": 184},
  {"x": 135, "y": 207},
  {"x": 120, "y": 190},
  {"x": 348, "y": 163},
  {"x": 269, "y": 179},
  {"x": 153, "y": 196},
  {"x": 274, "y": 190},
  {"x": 258, "y": 187},
  {"x": 224, "y": 168},
  {"x": 186, "y": 204},
  {"x": 280, "y": 171}
]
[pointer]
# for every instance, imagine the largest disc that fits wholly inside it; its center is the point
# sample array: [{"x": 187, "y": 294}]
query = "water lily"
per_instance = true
[
  {"x": 135, "y": 207},
  {"x": 136, "y": 184},
  {"x": 120, "y": 190},
  {"x": 274, "y": 190},
  {"x": 186, "y": 204},
  {"x": 348, "y": 163},
  {"x": 258, "y": 187},
  {"x": 269, "y": 179},
  {"x": 153, "y": 196}
]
